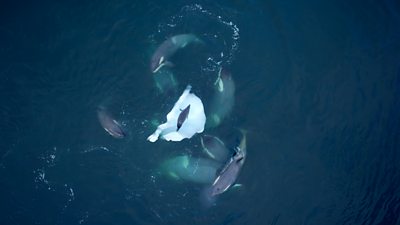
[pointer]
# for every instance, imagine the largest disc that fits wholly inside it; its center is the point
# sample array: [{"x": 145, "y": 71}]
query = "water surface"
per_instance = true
[{"x": 317, "y": 88}]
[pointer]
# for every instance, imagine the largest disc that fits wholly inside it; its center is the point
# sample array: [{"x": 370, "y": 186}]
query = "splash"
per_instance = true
[
  {"x": 219, "y": 32},
  {"x": 47, "y": 182}
]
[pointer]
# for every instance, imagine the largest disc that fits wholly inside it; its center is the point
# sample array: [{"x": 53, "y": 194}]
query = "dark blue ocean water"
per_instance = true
[{"x": 317, "y": 89}]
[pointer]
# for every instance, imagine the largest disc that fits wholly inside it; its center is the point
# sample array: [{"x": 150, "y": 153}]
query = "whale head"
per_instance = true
[{"x": 157, "y": 63}]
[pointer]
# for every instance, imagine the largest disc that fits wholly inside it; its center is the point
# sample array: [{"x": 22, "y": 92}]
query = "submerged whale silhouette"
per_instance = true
[{"x": 168, "y": 48}]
